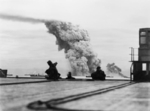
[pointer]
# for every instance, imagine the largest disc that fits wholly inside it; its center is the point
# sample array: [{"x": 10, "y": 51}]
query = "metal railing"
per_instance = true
[{"x": 133, "y": 54}]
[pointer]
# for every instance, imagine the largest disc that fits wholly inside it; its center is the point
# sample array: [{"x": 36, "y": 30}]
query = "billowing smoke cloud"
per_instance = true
[
  {"x": 72, "y": 39},
  {"x": 112, "y": 68},
  {"x": 21, "y": 18},
  {"x": 76, "y": 43}
]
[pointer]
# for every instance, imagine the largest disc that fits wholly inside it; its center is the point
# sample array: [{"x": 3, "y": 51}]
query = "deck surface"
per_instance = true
[{"x": 135, "y": 97}]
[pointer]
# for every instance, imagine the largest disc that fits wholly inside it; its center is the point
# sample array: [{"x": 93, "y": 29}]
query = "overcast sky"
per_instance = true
[{"x": 113, "y": 27}]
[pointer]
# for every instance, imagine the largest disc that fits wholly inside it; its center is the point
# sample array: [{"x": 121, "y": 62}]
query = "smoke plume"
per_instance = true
[
  {"x": 112, "y": 68},
  {"x": 21, "y": 18},
  {"x": 76, "y": 43}
]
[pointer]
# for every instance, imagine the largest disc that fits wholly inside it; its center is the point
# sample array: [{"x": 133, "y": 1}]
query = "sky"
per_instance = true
[{"x": 112, "y": 25}]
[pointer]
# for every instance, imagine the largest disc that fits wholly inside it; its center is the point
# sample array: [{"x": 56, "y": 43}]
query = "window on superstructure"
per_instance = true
[
  {"x": 142, "y": 40},
  {"x": 144, "y": 67},
  {"x": 143, "y": 33}
]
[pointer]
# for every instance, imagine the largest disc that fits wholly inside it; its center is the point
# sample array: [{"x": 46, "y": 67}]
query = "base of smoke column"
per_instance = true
[
  {"x": 117, "y": 75},
  {"x": 89, "y": 78},
  {"x": 106, "y": 76},
  {"x": 80, "y": 74},
  {"x": 80, "y": 77}
]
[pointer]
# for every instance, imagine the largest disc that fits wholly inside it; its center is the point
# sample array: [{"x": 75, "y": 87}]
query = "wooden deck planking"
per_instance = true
[
  {"x": 132, "y": 98},
  {"x": 18, "y": 96}
]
